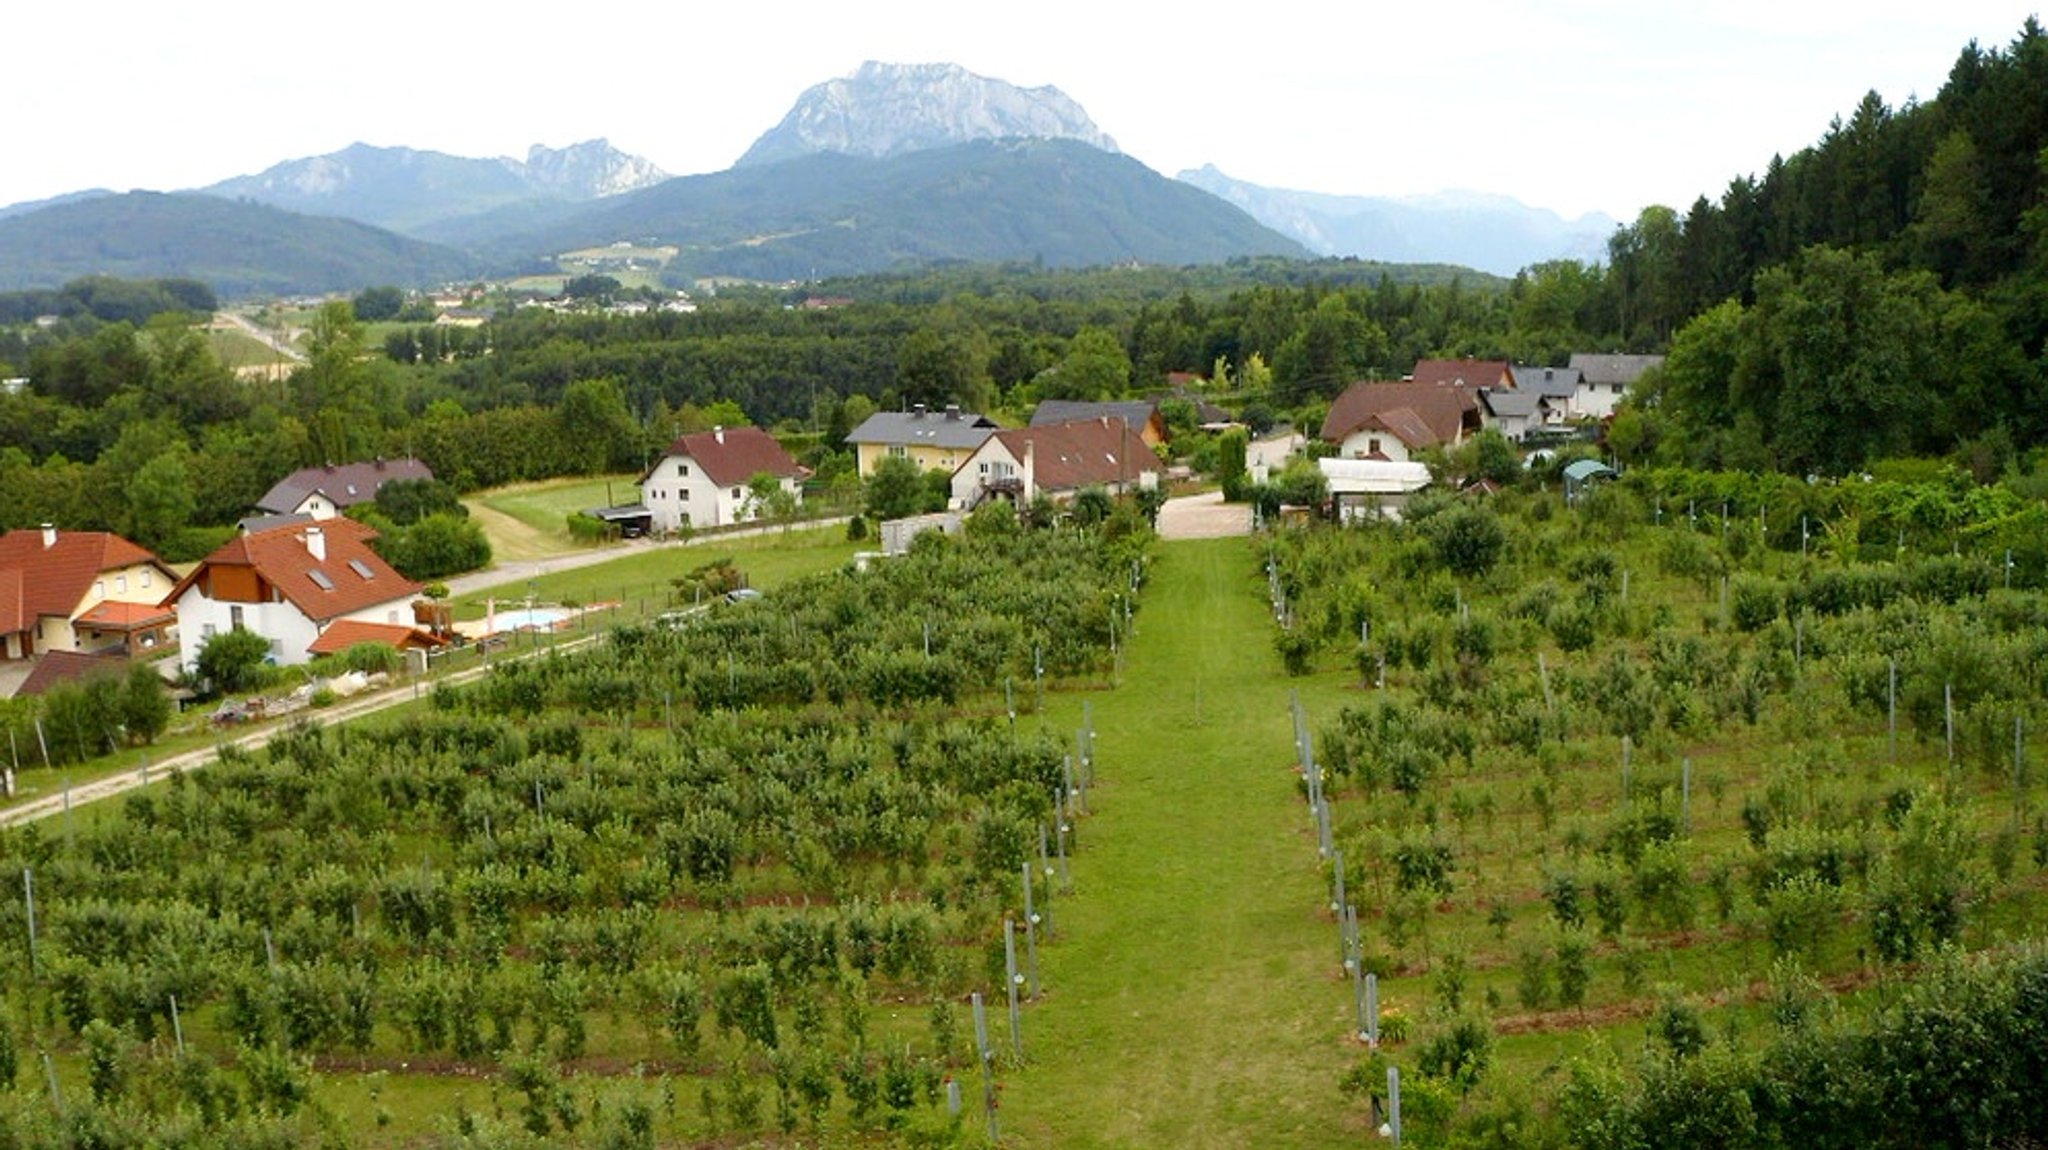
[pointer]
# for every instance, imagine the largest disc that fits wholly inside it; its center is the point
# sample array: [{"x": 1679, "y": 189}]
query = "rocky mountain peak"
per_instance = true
[
  {"x": 589, "y": 170},
  {"x": 891, "y": 109}
]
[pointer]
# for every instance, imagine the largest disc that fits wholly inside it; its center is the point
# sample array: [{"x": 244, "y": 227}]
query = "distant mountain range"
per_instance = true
[
  {"x": 1492, "y": 233},
  {"x": 895, "y": 166},
  {"x": 241, "y": 249},
  {"x": 408, "y": 191},
  {"x": 1059, "y": 202}
]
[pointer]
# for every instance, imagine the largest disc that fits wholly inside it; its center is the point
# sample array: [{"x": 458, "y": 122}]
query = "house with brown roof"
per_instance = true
[
  {"x": 81, "y": 591},
  {"x": 1464, "y": 373},
  {"x": 1142, "y": 414},
  {"x": 701, "y": 480},
  {"x": 325, "y": 492},
  {"x": 1057, "y": 460},
  {"x": 1394, "y": 421},
  {"x": 291, "y": 585}
]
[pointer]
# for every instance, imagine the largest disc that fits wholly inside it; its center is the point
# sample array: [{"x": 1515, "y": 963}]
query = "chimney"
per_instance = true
[
  {"x": 1030, "y": 469},
  {"x": 316, "y": 543},
  {"x": 49, "y": 535},
  {"x": 953, "y": 412},
  {"x": 917, "y": 411},
  {"x": 718, "y": 433}
]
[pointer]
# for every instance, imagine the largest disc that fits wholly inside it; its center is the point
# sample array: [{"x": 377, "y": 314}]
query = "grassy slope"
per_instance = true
[{"x": 1192, "y": 998}]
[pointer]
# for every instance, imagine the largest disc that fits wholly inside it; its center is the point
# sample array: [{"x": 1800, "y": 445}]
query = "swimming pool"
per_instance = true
[{"x": 527, "y": 619}]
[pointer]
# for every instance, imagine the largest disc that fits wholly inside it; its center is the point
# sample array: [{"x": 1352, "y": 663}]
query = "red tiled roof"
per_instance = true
[
  {"x": 1464, "y": 372},
  {"x": 734, "y": 455},
  {"x": 112, "y": 615},
  {"x": 281, "y": 559},
  {"x": 346, "y": 633},
  {"x": 14, "y": 616},
  {"x": 57, "y": 667},
  {"x": 54, "y": 579},
  {"x": 1431, "y": 413},
  {"x": 1070, "y": 456}
]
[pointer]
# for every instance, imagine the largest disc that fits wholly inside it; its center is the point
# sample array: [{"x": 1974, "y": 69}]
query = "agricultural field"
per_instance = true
[
  {"x": 1660, "y": 829},
  {"x": 734, "y": 874},
  {"x": 1632, "y": 800}
]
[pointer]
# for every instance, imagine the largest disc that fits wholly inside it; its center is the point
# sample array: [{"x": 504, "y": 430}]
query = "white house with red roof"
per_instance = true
[
  {"x": 702, "y": 480},
  {"x": 291, "y": 585},
  {"x": 1056, "y": 460},
  {"x": 1393, "y": 421},
  {"x": 79, "y": 591}
]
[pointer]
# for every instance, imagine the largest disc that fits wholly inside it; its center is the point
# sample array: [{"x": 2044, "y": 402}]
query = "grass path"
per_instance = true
[{"x": 1192, "y": 998}]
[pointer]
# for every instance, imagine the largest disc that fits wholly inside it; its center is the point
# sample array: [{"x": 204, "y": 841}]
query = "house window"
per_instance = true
[
  {"x": 145, "y": 578},
  {"x": 99, "y": 589},
  {"x": 120, "y": 584},
  {"x": 735, "y": 493},
  {"x": 898, "y": 450},
  {"x": 206, "y": 631},
  {"x": 685, "y": 497},
  {"x": 1372, "y": 445},
  {"x": 682, "y": 469},
  {"x": 235, "y": 616}
]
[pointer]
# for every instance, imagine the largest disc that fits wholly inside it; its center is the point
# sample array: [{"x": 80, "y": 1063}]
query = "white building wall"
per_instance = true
[
  {"x": 290, "y": 632},
  {"x": 1361, "y": 445},
  {"x": 678, "y": 493},
  {"x": 1597, "y": 400}
]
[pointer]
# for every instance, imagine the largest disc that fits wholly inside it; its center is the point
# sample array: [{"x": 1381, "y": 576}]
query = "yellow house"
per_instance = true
[
  {"x": 83, "y": 591},
  {"x": 934, "y": 440}
]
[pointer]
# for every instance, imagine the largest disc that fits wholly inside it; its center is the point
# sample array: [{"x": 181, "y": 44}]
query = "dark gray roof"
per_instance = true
[
  {"x": 954, "y": 429},
  {"x": 1551, "y": 382},
  {"x": 253, "y": 523},
  {"x": 346, "y": 485},
  {"x": 1623, "y": 369},
  {"x": 1508, "y": 403},
  {"x": 1135, "y": 413}
]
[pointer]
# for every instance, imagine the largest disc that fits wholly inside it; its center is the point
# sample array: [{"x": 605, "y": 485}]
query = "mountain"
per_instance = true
[
  {"x": 412, "y": 191},
  {"x": 1492, "y": 233},
  {"x": 239, "y": 248},
  {"x": 27, "y": 206},
  {"x": 887, "y": 110},
  {"x": 1061, "y": 202}
]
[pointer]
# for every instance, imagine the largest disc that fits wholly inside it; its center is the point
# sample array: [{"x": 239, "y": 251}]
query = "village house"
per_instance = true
[
  {"x": 1056, "y": 460},
  {"x": 935, "y": 441},
  {"x": 293, "y": 585},
  {"x": 80, "y": 591},
  {"x": 1469, "y": 374},
  {"x": 1142, "y": 415},
  {"x": 325, "y": 492},
  {"x": 1394, "y": 421},
  {"x": 702, "y": 480},
  {"x": 1606, "y": 379}
]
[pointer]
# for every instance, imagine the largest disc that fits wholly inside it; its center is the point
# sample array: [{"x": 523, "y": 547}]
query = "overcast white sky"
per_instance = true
[{"x": 1573, "y": 105}]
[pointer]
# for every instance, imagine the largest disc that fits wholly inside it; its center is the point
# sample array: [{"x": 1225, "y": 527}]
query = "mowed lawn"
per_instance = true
[
  {"x": 531, "y": 520},
  {"x": 1193, "y": 996}
]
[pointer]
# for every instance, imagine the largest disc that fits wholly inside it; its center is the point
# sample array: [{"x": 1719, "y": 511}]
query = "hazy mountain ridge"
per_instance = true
[
  {"x": 887, "y": 110},
  {"x": 239, "y": 248},
  {"x": 409, "y": 190},
  {"x": 1493, "y": 233},
  {"x": 1060, "y": 202}
]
